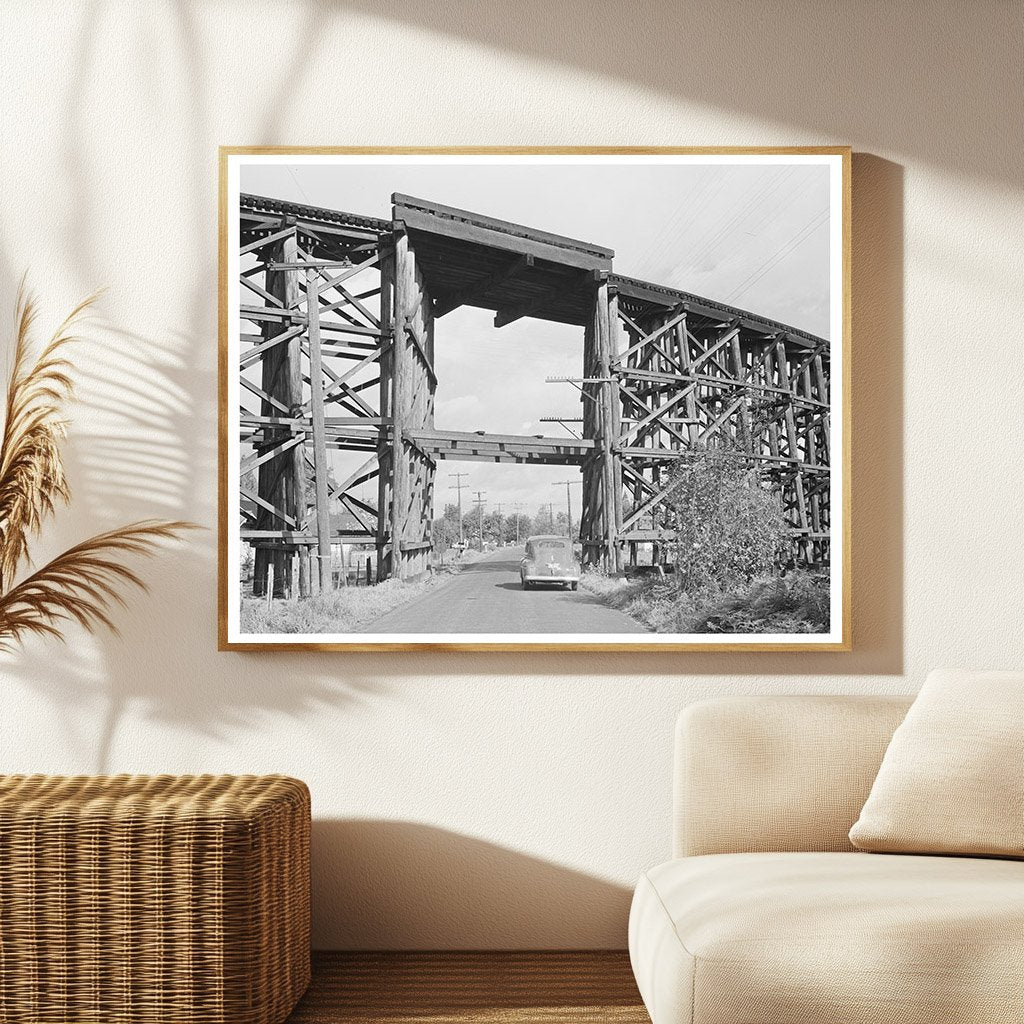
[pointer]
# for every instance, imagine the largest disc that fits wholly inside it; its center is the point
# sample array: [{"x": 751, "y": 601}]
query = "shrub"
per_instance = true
[
  {"x": 729, "y": 528},
  {"x": 730, "y": 542}
]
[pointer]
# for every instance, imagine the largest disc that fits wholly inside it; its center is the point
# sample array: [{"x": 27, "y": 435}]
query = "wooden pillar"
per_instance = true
[
  {"x": 591, "y": 511},
  {"x": 316, "y": 404},
  {"x": 820, "y": 392},
  {"x": 385, "y": 456},
  {"x": 810, "y": 425},
  {"x": 429, "y": 382},
  {"x": 399, "y": 405},
  {"x": 281, "y": 480},
  {"x": 612, "y": 334},
  {"x": 792, "y": 441},
  {"x": 415, "y": 404},
  {"x": 690, "y": 402},
  {"x": 821, "y": 389},
  {"x": 743, "y": 433},
  {"x": 607, "y": 394},
  {"x": 773, "y": 381}
]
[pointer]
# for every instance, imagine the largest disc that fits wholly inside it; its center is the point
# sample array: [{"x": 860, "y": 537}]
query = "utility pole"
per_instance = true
[
  {"x": 457, "y": 486},
  {"x": 568, "y": 500},
  {"x": 479, "y": 502},
  {"x": 517, "y": 511},
  {"x": 501, "y": 539}
]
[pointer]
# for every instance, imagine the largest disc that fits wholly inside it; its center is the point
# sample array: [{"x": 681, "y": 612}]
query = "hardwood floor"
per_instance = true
[{"x": 471, "y": 988}]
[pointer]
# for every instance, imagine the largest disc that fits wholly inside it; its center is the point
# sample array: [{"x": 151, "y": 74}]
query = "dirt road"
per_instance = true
[{"x": 486, "y": 597}]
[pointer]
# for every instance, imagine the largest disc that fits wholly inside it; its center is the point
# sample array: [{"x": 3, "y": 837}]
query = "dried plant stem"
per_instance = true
[{"x": 82, "y": 584}]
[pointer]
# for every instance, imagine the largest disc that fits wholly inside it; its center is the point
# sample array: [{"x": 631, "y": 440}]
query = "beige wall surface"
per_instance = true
[{"x": 467, "y": 800}]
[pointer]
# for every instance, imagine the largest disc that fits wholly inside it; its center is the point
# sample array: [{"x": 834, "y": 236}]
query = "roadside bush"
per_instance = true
[
  {"x": 731, "y": 540},
  {"x": 729, "y": 528}
]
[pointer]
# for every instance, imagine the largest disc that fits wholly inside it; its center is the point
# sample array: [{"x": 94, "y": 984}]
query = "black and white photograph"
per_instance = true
[{"x": 563, "y": 398}]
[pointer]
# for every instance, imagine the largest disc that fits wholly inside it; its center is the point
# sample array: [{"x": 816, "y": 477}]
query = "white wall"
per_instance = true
[{"x": 472, "y": 799}]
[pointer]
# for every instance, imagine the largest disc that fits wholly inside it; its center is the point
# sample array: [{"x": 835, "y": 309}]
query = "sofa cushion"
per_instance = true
[
  {"x": 779, "y": 772},
  {"x": 950, "y": 780},
  {"x": 833, "y": 938}
]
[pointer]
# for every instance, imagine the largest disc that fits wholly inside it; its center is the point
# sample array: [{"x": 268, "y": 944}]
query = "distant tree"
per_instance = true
[
  {"x": 471, "y": 526},
  {"x": 444, "y": 531},
  {"x": 492, "y": 527},
  {"x": 516, "y": 528},
  {"x": 544, "y": 522}
]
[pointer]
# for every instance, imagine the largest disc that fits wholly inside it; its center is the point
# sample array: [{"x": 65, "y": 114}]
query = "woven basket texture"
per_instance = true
[{"x": 143, "y": 899}]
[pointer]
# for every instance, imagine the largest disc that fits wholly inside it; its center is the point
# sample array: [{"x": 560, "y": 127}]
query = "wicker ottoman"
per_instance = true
[{"x": 131, "y": 899}]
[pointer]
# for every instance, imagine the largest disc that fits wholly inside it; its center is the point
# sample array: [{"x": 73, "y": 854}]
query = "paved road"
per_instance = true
[{"x": 486, "y": 597}]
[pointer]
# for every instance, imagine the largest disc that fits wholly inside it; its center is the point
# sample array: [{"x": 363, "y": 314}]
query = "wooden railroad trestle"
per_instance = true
[{"x": 337, "y": 350}]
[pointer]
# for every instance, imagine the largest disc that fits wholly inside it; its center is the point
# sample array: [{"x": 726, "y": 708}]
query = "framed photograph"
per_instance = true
[{"x": 519, "y": 399}]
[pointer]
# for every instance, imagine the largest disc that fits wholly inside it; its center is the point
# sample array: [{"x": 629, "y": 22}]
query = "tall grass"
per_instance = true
[
  {"x": 345, "y": 610},
  {"x": 796, "y": 603},
  {"x": 340, "y": 611}
]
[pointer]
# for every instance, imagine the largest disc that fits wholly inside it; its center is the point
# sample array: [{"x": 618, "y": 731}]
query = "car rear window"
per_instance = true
[{"x": 551, "y": 545}]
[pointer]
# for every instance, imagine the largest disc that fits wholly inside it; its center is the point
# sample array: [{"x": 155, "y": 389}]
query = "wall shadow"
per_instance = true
[
  {"x": 143, "y": 441},
  {"x": 888, "y": 78},
  {"x": 404, "y": 885},
  {"x": 149, "y": 444}
]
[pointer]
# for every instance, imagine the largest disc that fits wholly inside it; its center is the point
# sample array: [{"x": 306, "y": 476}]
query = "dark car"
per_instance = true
[{"x": 549, "y": 560}]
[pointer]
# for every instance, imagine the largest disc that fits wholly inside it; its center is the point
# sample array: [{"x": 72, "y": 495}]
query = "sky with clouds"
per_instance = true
[{"x": 753, "y": 236}]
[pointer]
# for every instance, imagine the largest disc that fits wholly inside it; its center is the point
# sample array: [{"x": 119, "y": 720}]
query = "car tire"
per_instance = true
[{"x": 574, "y": 586}]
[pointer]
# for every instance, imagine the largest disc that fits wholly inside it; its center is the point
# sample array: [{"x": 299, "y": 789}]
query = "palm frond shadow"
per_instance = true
[
  {"x": 143, "y": 443},
  {"x": 151, "y": 451}
]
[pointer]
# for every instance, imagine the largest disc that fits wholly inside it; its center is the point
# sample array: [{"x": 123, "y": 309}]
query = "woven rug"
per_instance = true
[{"x": 471, "y": 988}]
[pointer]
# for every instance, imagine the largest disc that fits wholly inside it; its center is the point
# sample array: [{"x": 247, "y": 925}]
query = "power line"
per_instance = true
[
  {"x": 752, "y": 219},
  {"x": 774, "y": 211},
  {"x": 805, "y": 232},
  {"x": 291, "y": 171},
  {"x": 698, "y": 202},
  {"x": 757, "y": 194}
]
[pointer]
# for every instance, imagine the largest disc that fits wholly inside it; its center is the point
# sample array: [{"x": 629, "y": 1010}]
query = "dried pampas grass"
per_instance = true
[{"x": 83, "y": 583}]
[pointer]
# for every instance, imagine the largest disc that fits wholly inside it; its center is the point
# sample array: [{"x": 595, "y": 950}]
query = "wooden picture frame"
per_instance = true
[{"x": 769, "y": 396}]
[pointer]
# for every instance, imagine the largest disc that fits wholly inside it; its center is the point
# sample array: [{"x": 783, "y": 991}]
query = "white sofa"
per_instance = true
[{"x": 767, "y": 914}]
